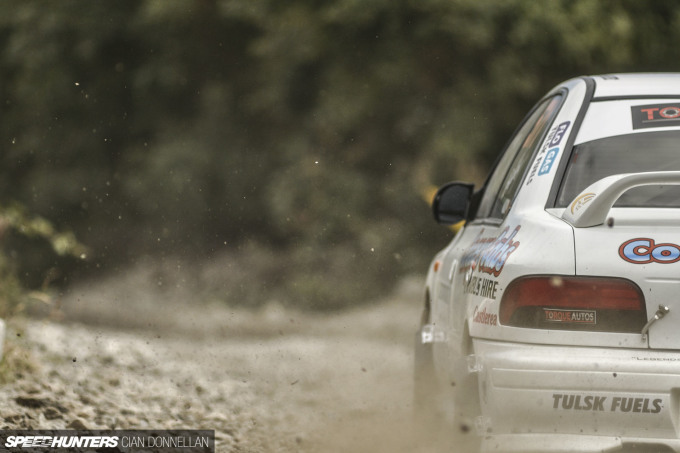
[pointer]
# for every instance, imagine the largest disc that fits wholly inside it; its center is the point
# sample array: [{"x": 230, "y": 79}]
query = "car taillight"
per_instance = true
[{"x": 574, "y": 303}]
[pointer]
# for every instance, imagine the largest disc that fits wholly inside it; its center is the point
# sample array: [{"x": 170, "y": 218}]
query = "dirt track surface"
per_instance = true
[{"x": 266, "y": 381}]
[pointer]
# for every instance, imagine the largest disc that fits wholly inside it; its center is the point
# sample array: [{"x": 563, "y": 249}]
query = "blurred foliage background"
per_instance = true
[{"x": 291, "y": 139}]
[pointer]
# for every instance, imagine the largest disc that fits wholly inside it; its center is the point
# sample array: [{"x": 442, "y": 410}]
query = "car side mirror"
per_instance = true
[{"x": 451, "y": 202}]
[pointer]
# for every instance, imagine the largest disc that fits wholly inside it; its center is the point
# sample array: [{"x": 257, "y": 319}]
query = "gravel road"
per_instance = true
[{"x": 267, "y": 381}]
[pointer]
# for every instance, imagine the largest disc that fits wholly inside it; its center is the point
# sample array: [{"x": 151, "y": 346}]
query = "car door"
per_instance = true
[{"x": 460, "y": 283}]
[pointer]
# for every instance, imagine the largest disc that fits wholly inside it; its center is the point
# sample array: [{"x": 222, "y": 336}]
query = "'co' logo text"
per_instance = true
[{"x": 645, "y": 251}]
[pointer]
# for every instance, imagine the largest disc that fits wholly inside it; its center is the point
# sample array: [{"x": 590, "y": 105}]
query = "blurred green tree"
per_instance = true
[{"x": 311, "y": 128}]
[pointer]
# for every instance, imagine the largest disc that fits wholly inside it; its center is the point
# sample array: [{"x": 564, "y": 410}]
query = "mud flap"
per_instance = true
[{"x": 424, "y": 380}]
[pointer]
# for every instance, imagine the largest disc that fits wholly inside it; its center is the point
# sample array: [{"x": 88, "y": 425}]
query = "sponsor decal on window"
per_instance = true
[
  {"x": 548, "y": 160},
  {"x": 656, "y": 115},
  {"x": 560, "y": 132},
  {"x": 546, "y": 157}
]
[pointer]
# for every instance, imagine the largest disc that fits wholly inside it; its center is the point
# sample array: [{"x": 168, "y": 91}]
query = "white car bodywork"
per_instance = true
[{"x": 570, "y": 378}]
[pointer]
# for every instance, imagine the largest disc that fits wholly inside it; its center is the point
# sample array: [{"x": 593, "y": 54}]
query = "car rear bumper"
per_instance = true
[
  {"x": 548, "y": 398},
  {"x": 564, "y": 443}
]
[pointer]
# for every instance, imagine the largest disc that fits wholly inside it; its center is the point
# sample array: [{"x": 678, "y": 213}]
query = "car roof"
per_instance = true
[{"x": 634, "y": 85}]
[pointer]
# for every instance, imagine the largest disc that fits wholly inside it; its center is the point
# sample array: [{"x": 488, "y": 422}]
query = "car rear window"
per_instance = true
[{"x": 630, "y": 153}]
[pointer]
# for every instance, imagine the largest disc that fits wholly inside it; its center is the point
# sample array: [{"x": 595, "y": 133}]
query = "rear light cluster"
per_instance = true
[{"x": 574, "y": 303}]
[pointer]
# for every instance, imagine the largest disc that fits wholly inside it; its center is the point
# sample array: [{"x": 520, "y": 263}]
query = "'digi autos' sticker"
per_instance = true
[{"x": 656, "y": 115}]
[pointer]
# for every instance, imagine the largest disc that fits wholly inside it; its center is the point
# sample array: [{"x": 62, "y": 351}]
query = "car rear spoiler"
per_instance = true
[{"x": 591, "y": 207}]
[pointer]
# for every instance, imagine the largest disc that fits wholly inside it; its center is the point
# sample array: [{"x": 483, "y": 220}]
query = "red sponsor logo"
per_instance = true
[
  {"x": 570, "y": 316},
  {"x": 482, "y": 317},
  {"x": 656, "y": 115}
]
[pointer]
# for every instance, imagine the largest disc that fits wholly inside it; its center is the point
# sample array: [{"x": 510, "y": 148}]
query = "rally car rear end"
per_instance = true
[{"x": 564, "y": 304}]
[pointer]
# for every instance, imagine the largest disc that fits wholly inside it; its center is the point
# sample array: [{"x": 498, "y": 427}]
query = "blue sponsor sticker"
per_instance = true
[
  {"x": 560, "y": 132},
  {"x": 548, "y": 160}
]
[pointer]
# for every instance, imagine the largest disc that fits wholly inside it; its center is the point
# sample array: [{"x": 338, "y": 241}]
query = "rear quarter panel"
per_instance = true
[{"x": 539, "y": 244}]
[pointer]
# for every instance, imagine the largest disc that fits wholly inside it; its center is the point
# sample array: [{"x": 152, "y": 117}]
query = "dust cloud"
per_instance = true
[{"x": 117, "y": 354}]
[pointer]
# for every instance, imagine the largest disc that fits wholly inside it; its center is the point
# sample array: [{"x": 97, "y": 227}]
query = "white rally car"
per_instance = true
[{"x": 552, "y": 319}]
